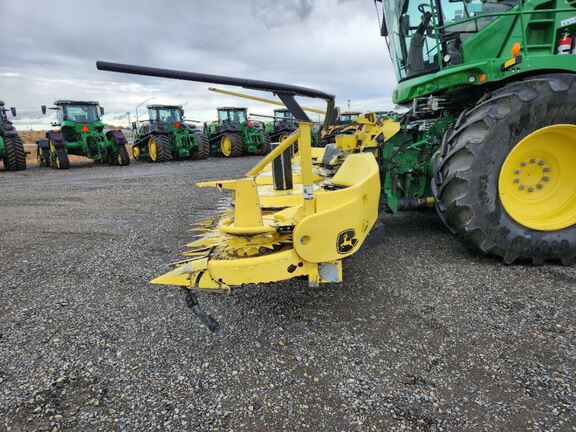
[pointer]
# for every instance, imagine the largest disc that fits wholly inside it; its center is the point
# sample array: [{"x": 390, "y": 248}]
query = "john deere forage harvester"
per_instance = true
[
  {"x": 166, "y": 136},
  {"x": 233, "y": 134},
  {"x": 79, "y": 131},
  {"x": 489, "y": 136},
  {"x": 11, "y": 148}
]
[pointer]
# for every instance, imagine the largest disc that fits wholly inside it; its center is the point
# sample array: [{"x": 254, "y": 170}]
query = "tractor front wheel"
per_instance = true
[
  {"x": 202, "y": 150},
  {"x": 159, "y": 149},
  {"x": 15, "y": 157},
  {"x": 504, "y": 179},
  {"x": 231, "y": 145}
]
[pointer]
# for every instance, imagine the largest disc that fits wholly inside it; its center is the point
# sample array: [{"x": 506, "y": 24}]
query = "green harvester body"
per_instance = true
[{"x": 468, "y": 49}]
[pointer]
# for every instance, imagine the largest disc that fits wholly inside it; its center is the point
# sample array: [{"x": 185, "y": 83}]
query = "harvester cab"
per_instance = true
[
  {"x": 11, "y": 148},
  {"x": 79, "y": 131},
  {"x": 166, "y": 136},
  {"x": 234, "y": 134}
]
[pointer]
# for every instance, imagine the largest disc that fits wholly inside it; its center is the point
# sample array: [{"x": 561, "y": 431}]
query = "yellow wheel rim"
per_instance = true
[
  {"x": 119, "y": 159},
  {"x": 136, "y": 152},
  {"x": 282, "y": 137},
  {"x": 226, "y": 145},
  {"x": 537, "y": 183},
  {"x": 153, "y": 149}
]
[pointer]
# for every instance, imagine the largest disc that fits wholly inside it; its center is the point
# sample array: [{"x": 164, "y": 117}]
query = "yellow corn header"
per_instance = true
[{"x": 305, "y": 228}]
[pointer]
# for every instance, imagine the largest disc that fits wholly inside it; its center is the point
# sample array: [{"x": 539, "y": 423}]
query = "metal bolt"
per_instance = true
[
  {"x": 532, "y": 160},
  {"x": 530, "y": 189},
  {"x": 546, "y": 169},
  {"x": 541, "y": 163},
  {"x": 517, "y": 172},
  {"x": 540, "y": 186},
  {"x": 546, "y": 178},
  {"x": 521, "y": 187},
  {"x": 516, "y": 180},
  {"x": 522, "y": 164}
]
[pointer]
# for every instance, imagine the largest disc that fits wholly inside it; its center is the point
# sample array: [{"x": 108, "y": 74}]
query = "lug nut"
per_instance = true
[
  {"x": 541, "y": 163},
  {"x": 522, "y": 164},
  {"x": 530, "y": 189},
  {"x": 521, "y": 187},
  {"x": 517, "y": 172},
  {"x": 532, "y": 160},
  {"x": 516, "y": 180},
  {"x": 546, "y": 169},
  {"x": 540, "y": 186},
  {"x": 546, "y": 178}
]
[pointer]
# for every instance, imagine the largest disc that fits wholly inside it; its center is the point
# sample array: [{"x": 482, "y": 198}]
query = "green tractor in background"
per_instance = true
[
  {"x": 80, "y": 133},
  {"x": 165, "y": 136},
  {"x": 11, "y": 148},
  {"x": 281, "y": 126},
  {"x": 234, "y": 134}
]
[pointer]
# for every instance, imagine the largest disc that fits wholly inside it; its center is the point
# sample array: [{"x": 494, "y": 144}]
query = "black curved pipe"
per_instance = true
[{"x": 279, "y": 89}]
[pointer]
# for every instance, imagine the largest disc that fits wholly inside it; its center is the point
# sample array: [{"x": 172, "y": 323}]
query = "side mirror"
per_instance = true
[
  {"x": 13, "y": 110},
  {"x": 44, "y": 109},
  {"x": 101, "y": 111},
  {"x": 383, "y": 27}
]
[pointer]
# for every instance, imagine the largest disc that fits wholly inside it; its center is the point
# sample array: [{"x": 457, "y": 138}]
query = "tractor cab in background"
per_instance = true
[{"x": 166, "y": 114}]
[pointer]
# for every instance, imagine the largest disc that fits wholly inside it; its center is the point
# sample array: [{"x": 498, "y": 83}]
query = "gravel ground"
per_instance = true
[{"x": 423, "y": 334}]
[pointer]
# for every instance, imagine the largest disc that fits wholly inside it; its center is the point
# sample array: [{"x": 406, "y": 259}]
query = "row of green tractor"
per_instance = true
[{"x": 165, "y": 135}]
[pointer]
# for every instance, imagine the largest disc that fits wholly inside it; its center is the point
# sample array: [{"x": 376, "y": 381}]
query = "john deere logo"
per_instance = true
[{"x": 346, "y": 241}]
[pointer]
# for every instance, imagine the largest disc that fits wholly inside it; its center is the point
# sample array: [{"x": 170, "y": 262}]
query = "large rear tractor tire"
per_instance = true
[
  {"x": 202, "y": 150},
  {"x": 505, "y": 176},
  {"x": 159, "y": 149},
  {"x": 266, "y": 145},
  {"x": 15, "y": 157},
  {"x": 231, "y": 145},
  {"x": 60, "y": 160}
]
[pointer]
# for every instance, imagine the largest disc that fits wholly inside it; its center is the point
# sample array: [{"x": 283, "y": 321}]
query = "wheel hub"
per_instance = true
[
  {"x": 226, "y": 145},
  {"x": 537, "y": 180}
]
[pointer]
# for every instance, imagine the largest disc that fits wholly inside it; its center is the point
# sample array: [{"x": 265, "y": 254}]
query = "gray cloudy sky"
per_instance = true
[{"x": 49, "y": 49}]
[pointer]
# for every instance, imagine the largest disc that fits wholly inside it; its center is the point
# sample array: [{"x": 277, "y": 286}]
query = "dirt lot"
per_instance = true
[{"x": 424, "y": 334}]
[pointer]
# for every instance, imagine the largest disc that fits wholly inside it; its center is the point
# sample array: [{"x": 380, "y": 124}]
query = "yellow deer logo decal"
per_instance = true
[{"x": 346, "y": 241}]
